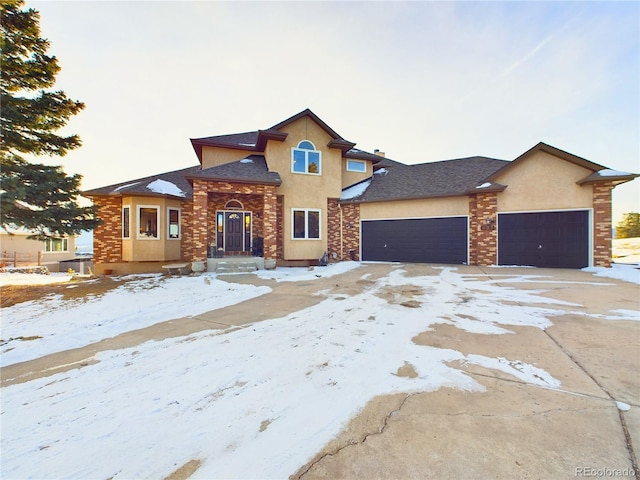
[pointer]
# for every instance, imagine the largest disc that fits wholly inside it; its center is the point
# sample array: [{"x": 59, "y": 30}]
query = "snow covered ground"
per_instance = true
[{"x": 256, "y": 402}]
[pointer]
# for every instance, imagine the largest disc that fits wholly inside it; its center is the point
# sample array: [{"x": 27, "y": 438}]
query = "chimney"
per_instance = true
[{"x": 379, "y": 153}]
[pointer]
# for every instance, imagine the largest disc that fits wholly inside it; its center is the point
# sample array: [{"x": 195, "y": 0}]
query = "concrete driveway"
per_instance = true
[{"x": 587, "y": 427}]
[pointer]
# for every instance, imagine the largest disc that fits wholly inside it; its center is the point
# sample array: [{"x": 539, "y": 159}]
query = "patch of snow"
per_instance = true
[
  {"x": 236, "y": 399},
  {"x": 624, "y": 407},
  {"x": 164, "y": 187},
  {"x": 607, "y": 172},
  {"x": 247, "y": 144},
  {"x": 65, "y": 324},
  {"x": 121, "y": 187},
  {"x": 484, "y": 185},
  {"x": 298, "y": 274},
  {"x": 626, "y": 250},
  {"x": 381, "y": 171},
  {"x": 355, "y": 190},
  {"x": 627, "y": 273},
  {"x": 246, "y": 160}
]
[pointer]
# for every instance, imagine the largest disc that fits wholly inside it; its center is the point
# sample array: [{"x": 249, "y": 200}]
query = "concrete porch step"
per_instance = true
[{"x": 235, "y": 265}]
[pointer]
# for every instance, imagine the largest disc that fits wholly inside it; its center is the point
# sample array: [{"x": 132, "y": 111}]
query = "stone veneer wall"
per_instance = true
[
  {"x": 107, "y": 237},
  {"x": 250, "y": 203},
  {"x": 349, "y": 242},
  {"x": 186, "y": 240},
  {"x": 483, "y": 238},
  {"x": 203, "y": 210},
  {"x": 280, "y": 231},
  {"x": 602, "y": 234}
]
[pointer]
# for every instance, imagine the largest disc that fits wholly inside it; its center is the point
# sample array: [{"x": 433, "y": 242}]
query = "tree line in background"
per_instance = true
[
  {"x": 40, "y": 198},
  {"x": 629, "y": 227}
]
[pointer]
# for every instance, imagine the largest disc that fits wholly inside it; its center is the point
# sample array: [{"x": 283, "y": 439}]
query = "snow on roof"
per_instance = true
[
  {"x": 246, "y": 160},
  {"x": 164, "y": 187},
  {"x": 484, "y": 185},
  {"x": 125, "y": 186},
  {"x": 607, "y": 172},
  {"x": 381, "y": 171},
  {"x": 355, "y": 190}
]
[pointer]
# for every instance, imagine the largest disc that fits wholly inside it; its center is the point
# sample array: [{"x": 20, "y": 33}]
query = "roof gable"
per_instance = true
[
  {"x": 256, "y": 141},
  {"x": 556, "y": 152}
]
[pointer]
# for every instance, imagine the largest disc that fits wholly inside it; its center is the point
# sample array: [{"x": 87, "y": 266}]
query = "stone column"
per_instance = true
[
  {"x": 107, "y": 237},
  {"x": 484, "y": 237},
  {"x": 270, "y": 219},
  {"x": 199, "y": 221},
  {"x": 602, "y": 234}
]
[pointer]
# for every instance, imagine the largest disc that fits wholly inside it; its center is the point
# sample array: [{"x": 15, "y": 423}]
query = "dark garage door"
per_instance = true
[
  {"x": 426, "y": 240},
  {"x": 549, "y": 239}
]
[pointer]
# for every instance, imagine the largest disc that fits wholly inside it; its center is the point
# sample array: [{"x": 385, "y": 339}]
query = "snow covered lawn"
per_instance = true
[{"x": 256, "y": 402}]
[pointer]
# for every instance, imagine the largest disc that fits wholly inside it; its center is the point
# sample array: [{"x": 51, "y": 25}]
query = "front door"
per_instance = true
[{"x": 234, "y": 232}]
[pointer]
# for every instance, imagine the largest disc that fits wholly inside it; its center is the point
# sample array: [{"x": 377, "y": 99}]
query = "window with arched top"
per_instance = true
[
  {"x": 306, "y": 159},
  {"x": 234, "y": 205}
]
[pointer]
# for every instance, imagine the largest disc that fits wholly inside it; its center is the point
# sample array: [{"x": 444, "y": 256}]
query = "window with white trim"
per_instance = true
[
  {"x": 55, "y": 245},
  {"x": 306, "y": 159},
  {"x": 356, "y": 166},
  {"x": 148, "y": 221},
  {"x": 173, "y": 215},
  {"x": 306, "y": 223},
  {"x": 126, "y": 222}
]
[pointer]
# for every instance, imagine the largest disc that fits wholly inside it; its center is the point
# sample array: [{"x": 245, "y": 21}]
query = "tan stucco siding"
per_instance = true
[
  {"x": 214, "y": 156},
  {"x": 305, "y": 191},
  {"x": 544, "y": 182},
  {"x": 351, "y": 178},
  {"x": 138, "y": 249},
  {"x": 422, "y": 208}
]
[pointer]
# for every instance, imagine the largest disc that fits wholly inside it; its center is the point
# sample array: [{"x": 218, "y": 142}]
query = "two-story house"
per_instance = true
[{"x": 298, "y": 190}]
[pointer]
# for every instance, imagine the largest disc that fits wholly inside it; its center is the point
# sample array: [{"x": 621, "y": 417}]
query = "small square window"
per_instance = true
[{"x": 356, "y": 166}]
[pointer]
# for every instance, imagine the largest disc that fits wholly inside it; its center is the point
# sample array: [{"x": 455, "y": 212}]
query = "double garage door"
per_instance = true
[
  {"x": 544, "y": 239},
  {"x": 540, "y": 239},
  {"x": 421, "y": 240}
]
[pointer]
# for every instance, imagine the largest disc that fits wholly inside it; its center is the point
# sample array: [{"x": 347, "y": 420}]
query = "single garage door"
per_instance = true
[
  {"x": 544, "y": 239},
  {"x": 424, "y": 240}
]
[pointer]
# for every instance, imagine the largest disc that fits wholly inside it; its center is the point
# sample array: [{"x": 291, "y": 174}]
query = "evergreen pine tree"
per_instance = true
[
  {"x": 629, "y": 227},
  {"x": 38, "y": 197}
]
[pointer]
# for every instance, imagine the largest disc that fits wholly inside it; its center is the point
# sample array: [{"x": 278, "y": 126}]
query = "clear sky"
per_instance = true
[{"x": 421, "y": 81}]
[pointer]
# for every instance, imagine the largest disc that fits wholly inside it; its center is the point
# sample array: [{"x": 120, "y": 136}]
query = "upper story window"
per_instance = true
[
  {"x": 306, "y": 159},
  {"x": 356, "y": 166}
]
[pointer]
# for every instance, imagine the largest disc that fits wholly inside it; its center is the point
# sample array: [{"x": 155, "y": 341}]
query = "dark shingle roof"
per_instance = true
[
  {"x": 425, "y": 180},
  {"x": 252, "y": 169},
  {"x": 140, "y": 186}
]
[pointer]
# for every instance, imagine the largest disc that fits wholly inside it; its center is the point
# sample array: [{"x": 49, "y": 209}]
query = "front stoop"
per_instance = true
[{"x": 235, "y": 264}]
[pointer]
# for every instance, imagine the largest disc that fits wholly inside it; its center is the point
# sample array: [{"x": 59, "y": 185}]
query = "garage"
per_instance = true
[
  {"x": 544, "y": 239},
  {"x": 422, "y": 240}
]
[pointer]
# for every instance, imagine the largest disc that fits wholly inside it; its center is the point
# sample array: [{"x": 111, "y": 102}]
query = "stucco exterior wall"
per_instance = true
[
  {"x": 214, "y": 156},
  {"x": 543, "y": 182},
  {"x": 423, "y": 208},
  {"x": 305, "y": 190},
  {"x": 351, "y": 178},
  {"x": 136, "y": 249}
]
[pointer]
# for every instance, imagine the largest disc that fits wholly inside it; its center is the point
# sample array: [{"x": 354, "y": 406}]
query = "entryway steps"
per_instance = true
[{"x": 235, "y": 265}]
